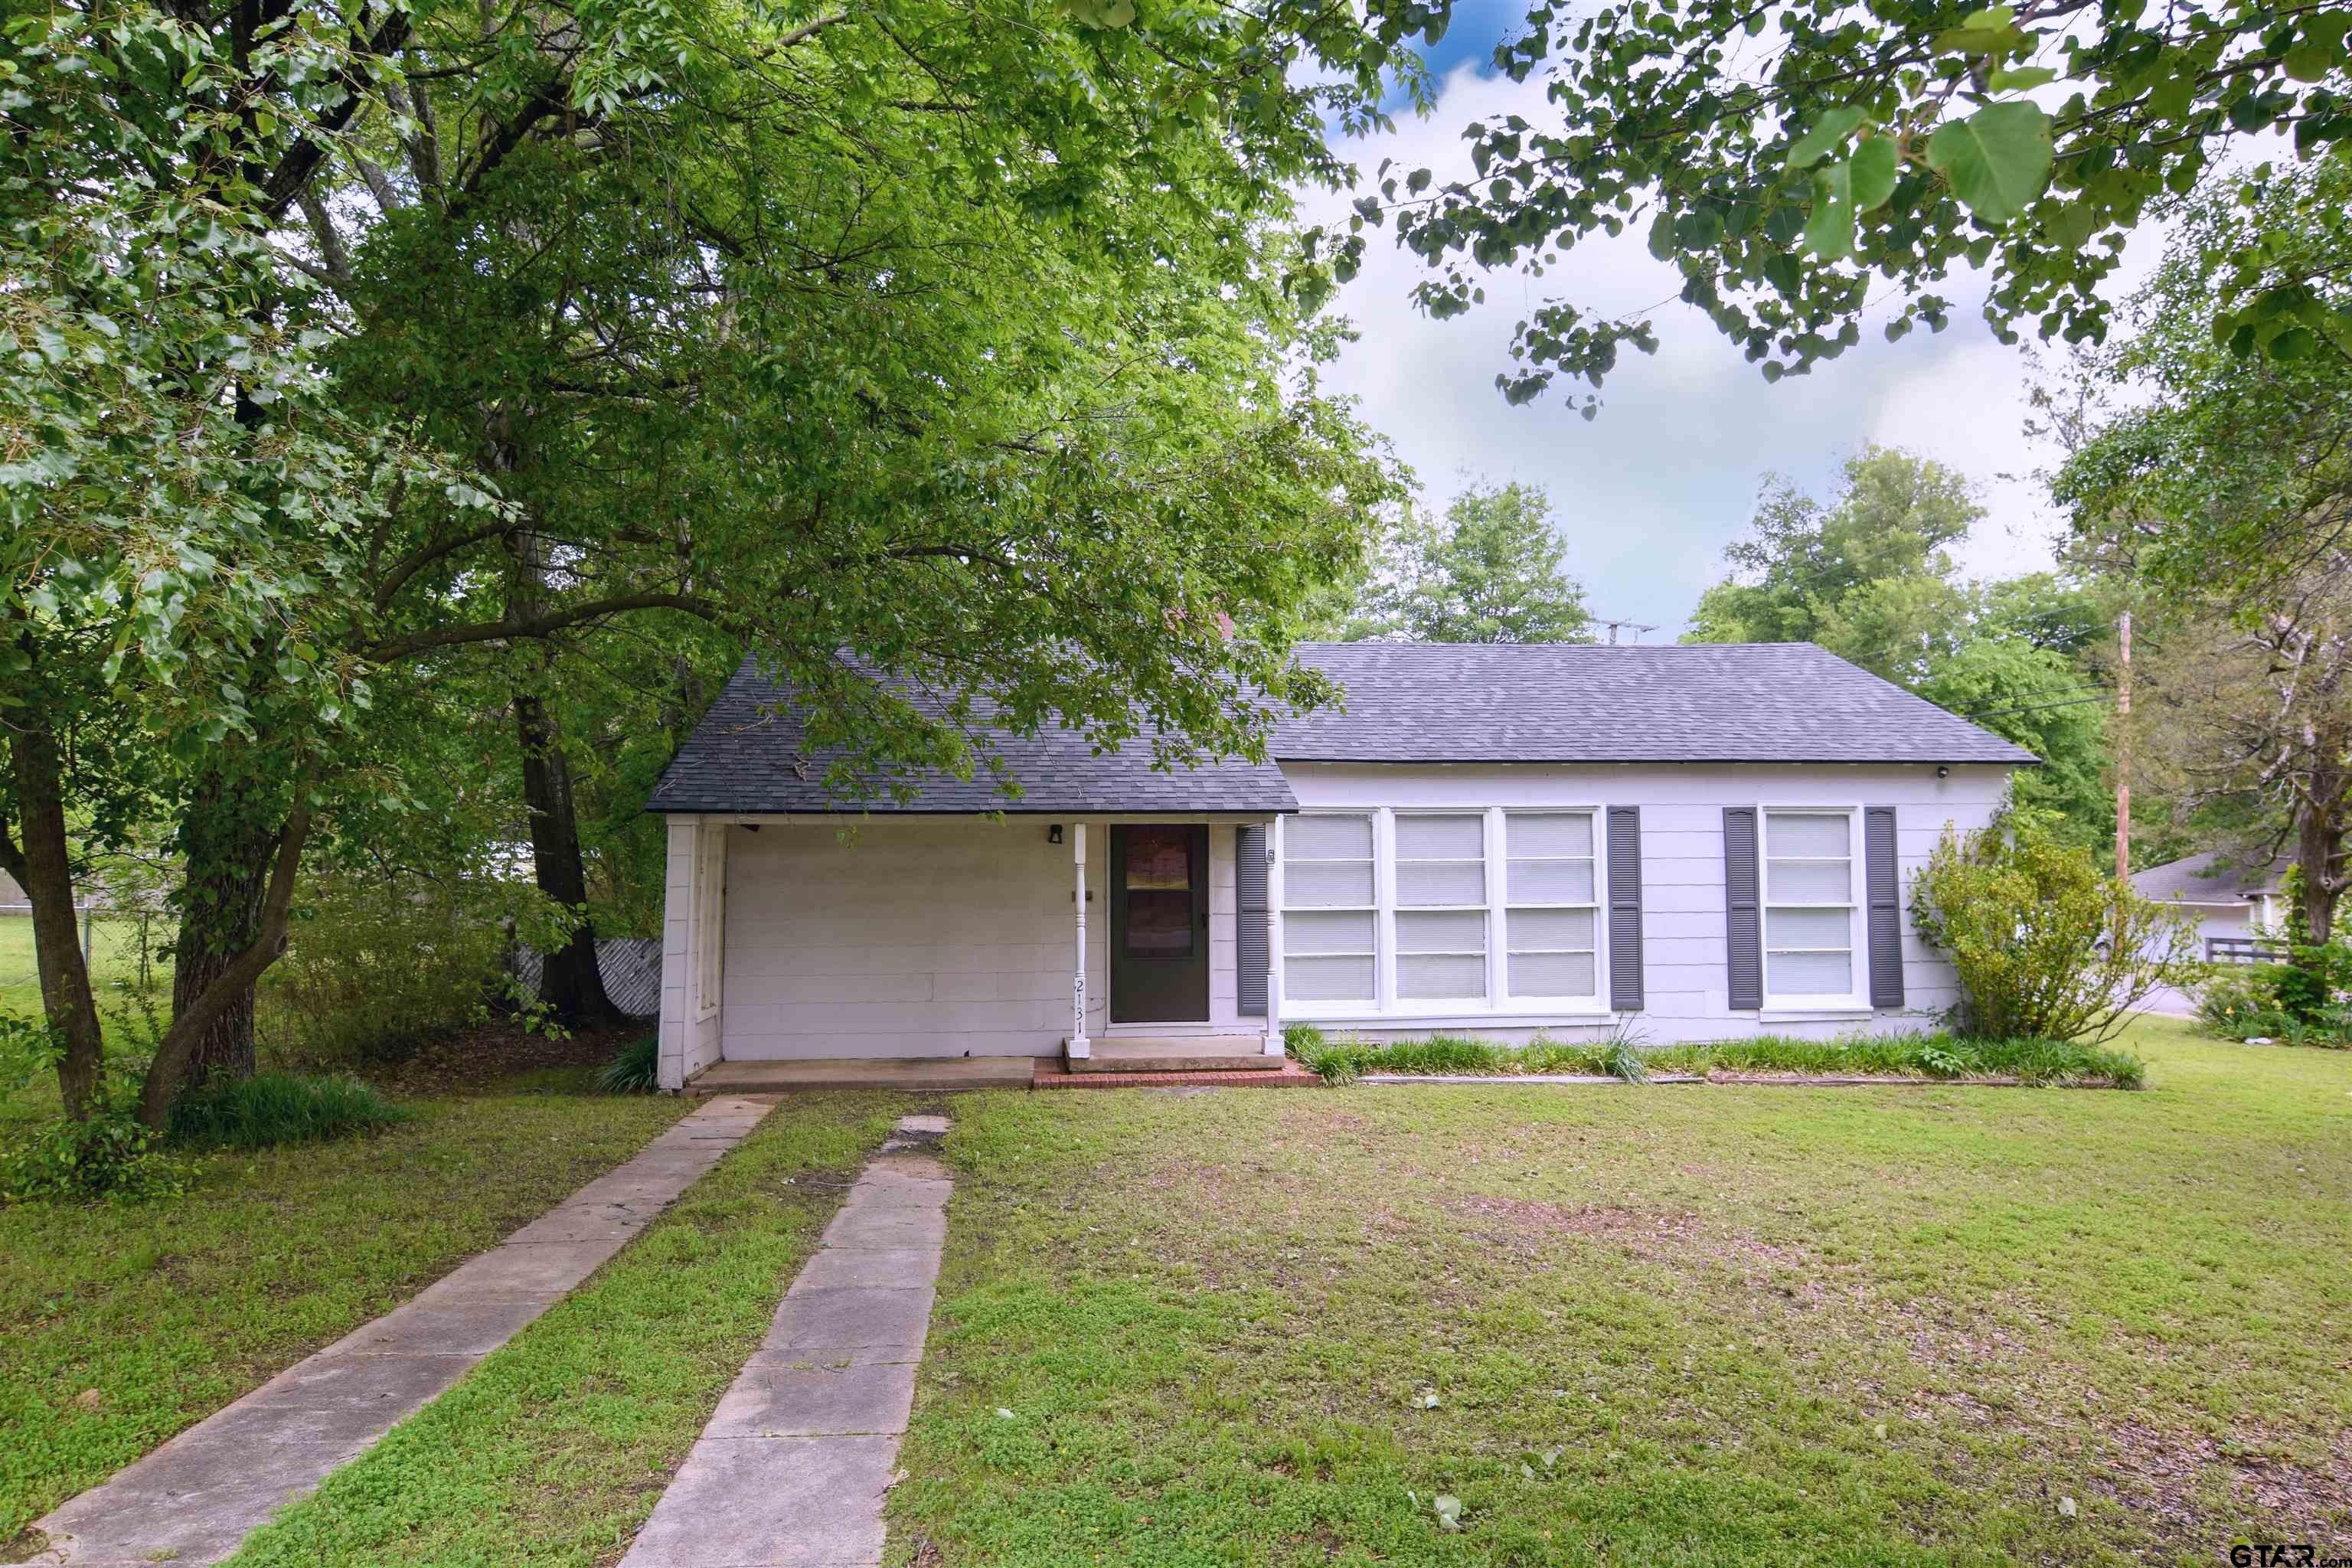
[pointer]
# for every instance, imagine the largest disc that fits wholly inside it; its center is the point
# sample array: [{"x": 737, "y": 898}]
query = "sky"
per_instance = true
[{"x": 1647, "y": 494}]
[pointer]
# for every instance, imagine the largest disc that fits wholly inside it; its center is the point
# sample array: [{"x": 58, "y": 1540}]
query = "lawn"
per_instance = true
[
  {"x": 121, "y": 1325},
  {"x": 555, "y": 1449},
  {"x": 1702, "y": 1325}
]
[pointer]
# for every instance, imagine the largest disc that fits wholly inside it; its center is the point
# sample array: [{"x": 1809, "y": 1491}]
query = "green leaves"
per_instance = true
[
  {"x": 1844, "y": 190},
  {"x": 1992, "y": 31},
  {"x": 1832, "y": 127},
  {"x": 1996, "y": 160},
  {"x": 1830, "y": 233},
  {"x": 1874, "y": 162}
]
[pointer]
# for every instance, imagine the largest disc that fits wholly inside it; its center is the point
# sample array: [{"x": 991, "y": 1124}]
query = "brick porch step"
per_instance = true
[
  {"x": 1179, "y": 1053},
  {"x": 1050, "y": 1072}
]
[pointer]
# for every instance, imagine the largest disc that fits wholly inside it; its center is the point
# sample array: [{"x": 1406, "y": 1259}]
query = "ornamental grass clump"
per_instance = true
[
  {"x": 273, "y": 1108},
  {"x": 2046, "y": 947}
]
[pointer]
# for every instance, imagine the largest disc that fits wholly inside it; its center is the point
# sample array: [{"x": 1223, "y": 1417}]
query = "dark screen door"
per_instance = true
[{"x": 1158, "y": 924}]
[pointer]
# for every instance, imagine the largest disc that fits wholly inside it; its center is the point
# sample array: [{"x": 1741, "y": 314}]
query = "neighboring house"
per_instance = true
[
  {"x": 2231, "y": 903},
  {"x": 1690, "y": 842}
]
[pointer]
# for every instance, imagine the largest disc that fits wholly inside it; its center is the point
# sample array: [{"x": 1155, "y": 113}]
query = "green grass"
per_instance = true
[
  {"x": 1752, "y": 1325},
  {"x": 121, "y": 1325},
  {"x": 556, "y": 1447},
  {"x": 271, "y": 1107},
  {"x": 1939, "y": 1055},
  {"x": 114, "y": 963}
]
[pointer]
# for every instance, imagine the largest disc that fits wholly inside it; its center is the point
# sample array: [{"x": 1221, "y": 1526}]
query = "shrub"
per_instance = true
[
  {"x": 2046, "y": 947},
  {"x": 280, "y": 1108},
  {"x": 377, "y": 968},
  {"x": 2240, "y": 1002},
  {"x": 110, "y": 1156},
  {"x": 1940, "y": 1055},
  {"x": 635, "y": 1069}
]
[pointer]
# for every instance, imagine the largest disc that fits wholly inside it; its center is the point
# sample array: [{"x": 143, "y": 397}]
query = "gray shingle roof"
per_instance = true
[
  {"x": 1406, "y": 702},
  {"x": 2204, "y": 879},
  {"x": 1573, "y": 703},
  {"x": 742, "y": 757}
]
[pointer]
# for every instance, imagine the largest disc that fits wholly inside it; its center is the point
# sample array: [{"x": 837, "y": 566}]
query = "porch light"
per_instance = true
[{"x": 1054, "y": 834}]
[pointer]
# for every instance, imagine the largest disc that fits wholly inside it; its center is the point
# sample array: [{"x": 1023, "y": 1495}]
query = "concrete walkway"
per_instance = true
[
  {"x": 792, "y": 1469},
  {"x": 193, "y": 1501}
]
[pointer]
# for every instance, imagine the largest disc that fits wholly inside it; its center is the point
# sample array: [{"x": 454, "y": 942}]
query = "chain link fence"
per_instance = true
[{"x": 119, "y": 945}]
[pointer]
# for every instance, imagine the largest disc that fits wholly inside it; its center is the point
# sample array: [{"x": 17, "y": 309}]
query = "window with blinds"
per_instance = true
[
  {"x": 1329, "y": 914},
  {"x": 1809, "y": 904},
  {"x": 1552, "y": 915},
  {"x": 1440, "y": 906}
]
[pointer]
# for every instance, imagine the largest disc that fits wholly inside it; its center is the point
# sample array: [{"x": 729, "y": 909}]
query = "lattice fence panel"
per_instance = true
[{"x": 631, "y": 966}]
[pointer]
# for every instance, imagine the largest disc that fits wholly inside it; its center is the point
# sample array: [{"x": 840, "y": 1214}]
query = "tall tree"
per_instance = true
[
  {"x": 2217, "y": 484},
  {"x": 1796, "y": 158},
  {"x": 1492, "y": 571},
  {"x": 2245, "y": 721},
  {"x": 2198, "y": 466},
  {"x": 833, "y": 330},
  {"x": 1893, "y": 519},
  {"x": 1870, "y": 576}
]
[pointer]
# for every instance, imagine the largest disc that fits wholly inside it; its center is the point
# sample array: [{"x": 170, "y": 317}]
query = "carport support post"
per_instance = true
[
  {"x": 1273, "y": 937},
  {"x": 1077, "y": 1048}
]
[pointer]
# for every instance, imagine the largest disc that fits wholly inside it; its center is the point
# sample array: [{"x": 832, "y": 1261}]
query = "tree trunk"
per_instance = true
[
  {"x": 44, "y": 865},
  {"x": 2318, "y": 845},
  {"x": 227, "y": 857},
  {"x": 570, "y": 982},
  {"x": 168, "y": 1073}
]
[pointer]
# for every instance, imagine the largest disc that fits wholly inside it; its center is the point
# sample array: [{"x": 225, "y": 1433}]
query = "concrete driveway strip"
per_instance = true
[
  {"x": 792, "y": 1469},
  {"x": 193, "y": 1501}
]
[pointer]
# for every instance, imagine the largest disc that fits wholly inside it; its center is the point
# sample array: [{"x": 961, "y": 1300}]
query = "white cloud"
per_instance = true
[{"x": 1650, "y": 492}]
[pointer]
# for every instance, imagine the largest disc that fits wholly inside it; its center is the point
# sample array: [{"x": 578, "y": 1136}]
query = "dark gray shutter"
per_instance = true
[
  {"x": 1742, "y": 919},
  {"x": 1883, "y": 888},
  {"x": 1249, "y": 886},
  {"x": 1625, "y": 908}
]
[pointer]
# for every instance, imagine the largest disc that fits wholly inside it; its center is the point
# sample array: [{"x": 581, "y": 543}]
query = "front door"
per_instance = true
[{"x": 1160, "y": 925}]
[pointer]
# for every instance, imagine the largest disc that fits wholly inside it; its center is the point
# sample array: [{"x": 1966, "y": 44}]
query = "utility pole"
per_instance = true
[{"x": 2123, "y": 757}]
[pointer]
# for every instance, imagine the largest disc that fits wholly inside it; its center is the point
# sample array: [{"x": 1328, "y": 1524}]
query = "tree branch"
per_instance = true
[
  {"x": 286, "y": 183},
  {"x": 397, "y": 578},
  {"x": 538, "y": 625}
]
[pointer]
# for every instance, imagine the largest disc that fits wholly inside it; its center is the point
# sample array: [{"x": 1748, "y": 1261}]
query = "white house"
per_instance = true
[
  {"x": 1692, "y": 843},
  {"x": 2233, "y": 902}
]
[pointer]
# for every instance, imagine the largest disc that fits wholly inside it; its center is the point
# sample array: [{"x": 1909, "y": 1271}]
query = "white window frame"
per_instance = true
[
  {"x": 709, "y": 919},
  {"x": 1504, "y": 903},
  {"x": 1857, "y": 953},
  {"x": 1484, "y": 908},
  {"x": 1498, "y": 1007},
  {"x": 1286, "y": 858}
]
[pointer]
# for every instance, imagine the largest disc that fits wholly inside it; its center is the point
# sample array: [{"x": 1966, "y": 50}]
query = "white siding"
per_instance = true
[
  {"x": 942, "y": 936},
  {"x": 926, "y": 938},
  {"x": 1684, "y": 949}
]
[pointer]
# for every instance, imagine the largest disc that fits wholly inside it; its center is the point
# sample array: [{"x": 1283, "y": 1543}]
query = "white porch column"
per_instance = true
[
  {"x": 1273, "y": 937},
  {"x": 678, "y": 959},
  {"x": 1077, "y": 1048}
]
